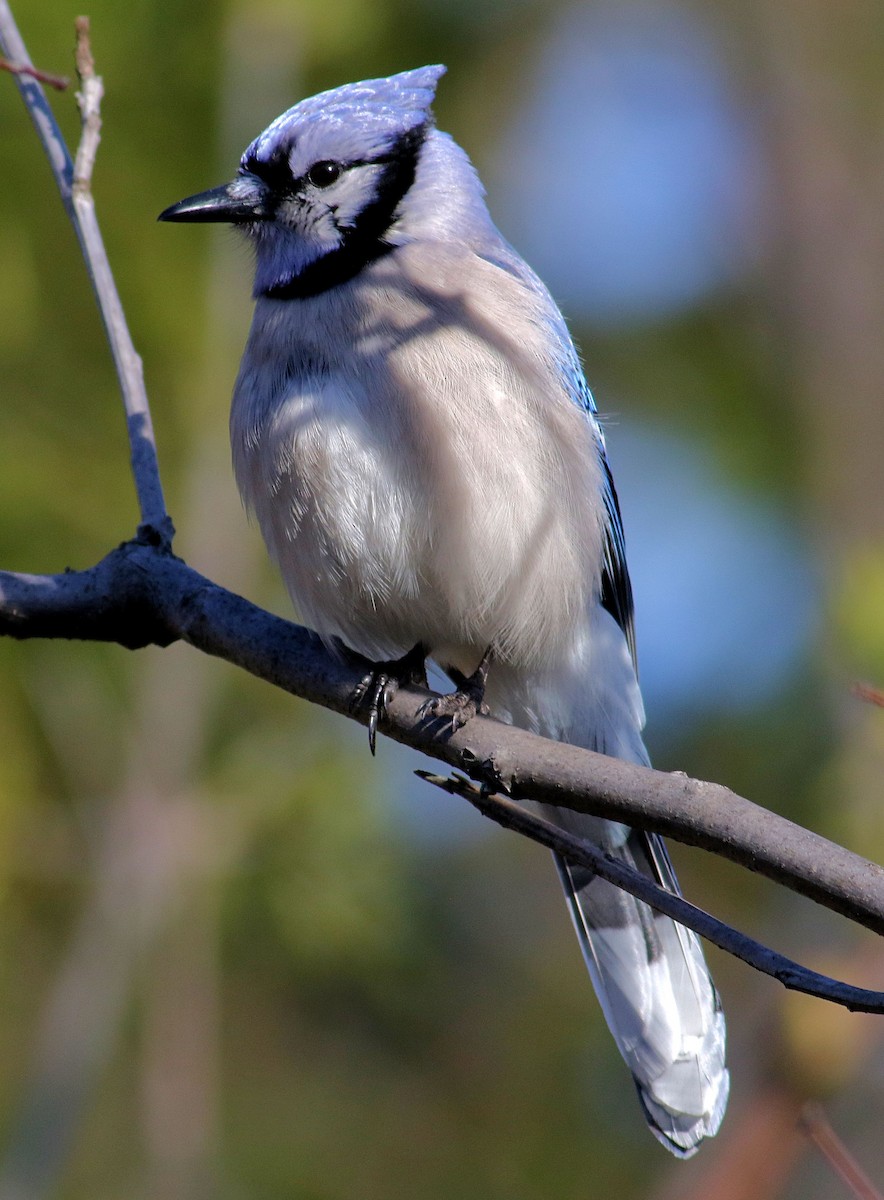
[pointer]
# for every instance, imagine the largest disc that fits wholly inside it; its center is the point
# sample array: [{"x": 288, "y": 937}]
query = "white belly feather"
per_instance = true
[{"x": 427, "y": 478}]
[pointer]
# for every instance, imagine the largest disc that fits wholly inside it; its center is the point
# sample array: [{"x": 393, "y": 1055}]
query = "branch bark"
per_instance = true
[
  {"x": 60, "y": 82},
  {"x": 790, "y": 974}
]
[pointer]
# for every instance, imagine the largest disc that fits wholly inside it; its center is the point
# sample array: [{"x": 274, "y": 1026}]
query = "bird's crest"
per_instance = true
[{"x": 359, "y": 118}]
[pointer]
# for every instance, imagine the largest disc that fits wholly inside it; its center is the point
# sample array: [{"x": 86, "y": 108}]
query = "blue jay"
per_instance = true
[{"x": 412, "y": 429}]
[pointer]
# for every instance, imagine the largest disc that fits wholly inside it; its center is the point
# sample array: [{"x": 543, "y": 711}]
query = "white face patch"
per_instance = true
[
  {"x": 354, "y": 192},
  {"x": 328, "y": 211},
  {"x": 320, "y": 215}
]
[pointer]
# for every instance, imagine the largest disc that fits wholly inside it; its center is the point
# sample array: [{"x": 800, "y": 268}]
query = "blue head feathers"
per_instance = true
[
  {"x": 319, "y": 192},
  {"x": 358, "y": 120}
]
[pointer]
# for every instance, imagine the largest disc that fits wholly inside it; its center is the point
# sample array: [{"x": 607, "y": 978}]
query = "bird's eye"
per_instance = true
[{"x": 324, "y": 174}]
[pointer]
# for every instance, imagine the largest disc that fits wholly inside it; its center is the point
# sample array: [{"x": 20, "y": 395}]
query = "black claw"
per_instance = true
[
  {"x": 378, "y": 700},
  {"x": 466, "y": 702},
  {"x": 373, "y": 687}
]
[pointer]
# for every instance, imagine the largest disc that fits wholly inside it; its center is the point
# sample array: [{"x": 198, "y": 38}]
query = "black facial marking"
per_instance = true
[
  {"x": 364, "y": 242},
  {"x": 274, "y": 171}
]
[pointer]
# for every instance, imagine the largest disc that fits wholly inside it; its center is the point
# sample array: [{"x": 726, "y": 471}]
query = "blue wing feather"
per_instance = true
[{"x": 616, "y": 588}]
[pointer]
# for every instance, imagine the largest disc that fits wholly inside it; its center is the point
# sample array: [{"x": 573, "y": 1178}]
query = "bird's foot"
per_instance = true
[
  {"x": 468, "y": 701},
  {"x": 377, "y": 686}
]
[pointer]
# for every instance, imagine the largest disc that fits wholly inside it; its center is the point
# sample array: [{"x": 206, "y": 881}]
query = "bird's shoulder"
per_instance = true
[
  {"x": 616, "y": 587},
  {"x": 491, "y": 279}
]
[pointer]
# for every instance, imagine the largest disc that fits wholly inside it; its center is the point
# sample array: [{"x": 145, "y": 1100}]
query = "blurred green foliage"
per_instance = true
[{"x": 227, "y": 968}]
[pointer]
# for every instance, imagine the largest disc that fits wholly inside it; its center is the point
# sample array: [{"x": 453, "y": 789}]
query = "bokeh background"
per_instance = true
[{"x": 239, "y": 958}]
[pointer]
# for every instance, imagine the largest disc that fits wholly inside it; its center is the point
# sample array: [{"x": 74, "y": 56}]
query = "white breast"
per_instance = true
[{"x": 415, "y": 464}]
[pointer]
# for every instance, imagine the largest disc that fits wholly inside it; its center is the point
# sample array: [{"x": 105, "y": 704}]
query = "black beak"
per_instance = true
[{"x": 247, "y": 198}]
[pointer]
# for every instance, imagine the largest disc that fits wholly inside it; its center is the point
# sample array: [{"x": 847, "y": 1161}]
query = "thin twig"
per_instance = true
[
  {"x": 819, "y": 1129},
  {"x": 89, "y": 99},
  {"x": 60, "y": 82},
  {"x": 789, "y": 973},
  {"x": 81, "y": 210},
  {"x": 871, "y": 695}
]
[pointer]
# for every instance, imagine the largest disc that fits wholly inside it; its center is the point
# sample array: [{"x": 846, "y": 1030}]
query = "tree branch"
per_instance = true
[
  {"x": 819, "y": 1129},
  {"x": 60, "y": 82},
  {"x": 871, "y": 695},
  {"x": 80, "y": 207},
  {"x": 142, "y": 594},
  {"x": 789, "y": 973}
]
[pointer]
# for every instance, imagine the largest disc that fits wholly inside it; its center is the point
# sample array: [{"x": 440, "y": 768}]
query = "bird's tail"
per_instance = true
[
  {"x": 649, "y": 972},
  {"x": 654, "y": 986}
]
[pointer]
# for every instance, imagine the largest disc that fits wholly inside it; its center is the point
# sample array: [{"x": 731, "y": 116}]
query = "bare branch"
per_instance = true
[
  {"x": 789, "y": 973},
  {"x": 80, "y": 208},
  {"x": 89, "y": 103},
  {"x": 819, "y": 1129},
  {"x": 871, "y": 695},
  {"x": 141, "y": 593},
  {"x": 60, "y": 82}
]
